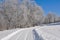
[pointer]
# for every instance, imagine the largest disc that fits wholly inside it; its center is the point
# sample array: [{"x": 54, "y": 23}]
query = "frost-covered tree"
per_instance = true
[
  {"x": 21, "y": 13},
  {"x": 3, "y": 21},
  {"x": 50, "y": 18},
  {"x": 57, "y": 19}
]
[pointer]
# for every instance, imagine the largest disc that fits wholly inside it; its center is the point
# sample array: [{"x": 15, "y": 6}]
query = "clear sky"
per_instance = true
[
  {"x": 1, "y": 1},
  {"x": 50, "y": 6}
]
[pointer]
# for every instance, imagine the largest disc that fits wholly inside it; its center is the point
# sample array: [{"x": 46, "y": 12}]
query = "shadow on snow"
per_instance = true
[{"x": 36, "y": 36}]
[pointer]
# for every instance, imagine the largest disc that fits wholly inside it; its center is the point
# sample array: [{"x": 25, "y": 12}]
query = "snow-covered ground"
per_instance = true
[{"x": 34, "y": 33}]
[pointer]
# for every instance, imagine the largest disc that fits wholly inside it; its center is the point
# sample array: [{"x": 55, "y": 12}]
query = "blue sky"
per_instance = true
[
  {"x": 50, "y": 6},
  {"x": 1, "y": 1}
]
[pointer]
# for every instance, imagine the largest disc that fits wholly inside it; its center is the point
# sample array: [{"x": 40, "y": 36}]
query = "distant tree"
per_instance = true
[
  {"x": 57, "y": 19},
  {"x": 50, "y": 18}
]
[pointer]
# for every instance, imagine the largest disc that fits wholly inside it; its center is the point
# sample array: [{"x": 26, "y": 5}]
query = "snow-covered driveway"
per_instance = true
[{"x": 34, "y": 33}]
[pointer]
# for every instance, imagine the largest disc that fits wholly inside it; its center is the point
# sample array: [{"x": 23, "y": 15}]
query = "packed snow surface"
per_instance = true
[{"x": 34, "y": 33}]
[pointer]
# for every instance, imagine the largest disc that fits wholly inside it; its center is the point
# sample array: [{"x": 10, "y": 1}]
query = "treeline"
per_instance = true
[
  {"x": 51, "y": 18},
  {"x": 22, "y": 14}
]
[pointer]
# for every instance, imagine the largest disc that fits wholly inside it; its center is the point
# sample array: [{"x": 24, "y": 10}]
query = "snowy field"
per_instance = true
[{"x": 35, "y": 33}]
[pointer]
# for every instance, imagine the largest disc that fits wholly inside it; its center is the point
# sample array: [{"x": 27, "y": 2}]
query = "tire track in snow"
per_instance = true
[
  {"x": 12, "y": 34},
  {"x": 23, "y": 35},
  {"x": 36, "y": 36}
]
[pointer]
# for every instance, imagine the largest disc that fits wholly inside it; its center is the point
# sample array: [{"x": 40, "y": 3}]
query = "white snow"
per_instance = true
[{"x": 35, "y": 33}]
